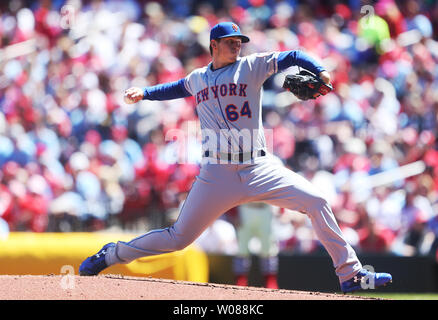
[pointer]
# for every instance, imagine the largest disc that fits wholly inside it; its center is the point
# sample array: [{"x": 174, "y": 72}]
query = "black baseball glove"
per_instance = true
[{"x": 305, "y": 85}]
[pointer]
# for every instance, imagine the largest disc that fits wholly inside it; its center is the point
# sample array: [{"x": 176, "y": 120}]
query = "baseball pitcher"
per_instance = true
[{"x": 236, "y": 167}]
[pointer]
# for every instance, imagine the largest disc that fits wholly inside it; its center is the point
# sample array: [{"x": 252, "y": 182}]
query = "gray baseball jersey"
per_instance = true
[{"x": 229, "y": 103}]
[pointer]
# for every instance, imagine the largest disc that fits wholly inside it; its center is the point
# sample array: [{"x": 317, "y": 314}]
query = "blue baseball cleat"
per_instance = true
[
  {"x": 366, "y": 280},
  {"x": 96, "y": 263}
]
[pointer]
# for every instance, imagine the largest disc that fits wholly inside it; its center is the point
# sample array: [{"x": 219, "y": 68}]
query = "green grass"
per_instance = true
[{"x": 400, "y": 296}]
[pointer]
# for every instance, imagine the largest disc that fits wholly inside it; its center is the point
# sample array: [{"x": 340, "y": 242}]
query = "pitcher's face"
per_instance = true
[{"x": 228, "y": 49}]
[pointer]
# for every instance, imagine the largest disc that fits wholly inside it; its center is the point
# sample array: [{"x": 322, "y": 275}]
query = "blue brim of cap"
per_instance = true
[{"x": 245, "y": 39}]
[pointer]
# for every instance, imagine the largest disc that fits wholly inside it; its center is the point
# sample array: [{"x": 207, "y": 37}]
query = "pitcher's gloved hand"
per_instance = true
[{"x": 305, "y": 85}]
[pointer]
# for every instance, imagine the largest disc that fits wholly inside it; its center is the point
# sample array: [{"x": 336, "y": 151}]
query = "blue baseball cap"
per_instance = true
[{"x": 227, "y": 29}]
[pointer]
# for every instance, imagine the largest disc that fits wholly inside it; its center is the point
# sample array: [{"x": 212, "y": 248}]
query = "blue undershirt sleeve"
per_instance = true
[
  {"x": 288, "y": 59},
  {"x": 166, "y": 91}
]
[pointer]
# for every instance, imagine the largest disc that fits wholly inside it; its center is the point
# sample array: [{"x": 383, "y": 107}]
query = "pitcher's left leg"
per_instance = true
[{"x": 279, "y": 186}]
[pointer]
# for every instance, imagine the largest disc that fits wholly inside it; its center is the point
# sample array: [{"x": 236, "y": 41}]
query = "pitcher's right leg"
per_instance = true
[{"x": 215, "y": 191}]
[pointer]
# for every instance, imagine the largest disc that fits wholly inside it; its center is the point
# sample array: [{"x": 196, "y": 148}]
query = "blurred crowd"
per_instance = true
[{"x": 75, "y": 157}]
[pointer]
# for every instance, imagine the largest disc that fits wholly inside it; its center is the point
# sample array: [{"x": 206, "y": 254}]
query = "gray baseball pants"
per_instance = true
[{"x": 220, "y": 187}]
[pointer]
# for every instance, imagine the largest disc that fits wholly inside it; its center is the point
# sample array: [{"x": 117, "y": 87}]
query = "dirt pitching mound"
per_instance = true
[{"x": 116, "y": 287}]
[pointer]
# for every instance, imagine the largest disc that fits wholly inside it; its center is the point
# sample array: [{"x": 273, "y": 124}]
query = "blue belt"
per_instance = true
[{"x": 235, "y": 157}]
